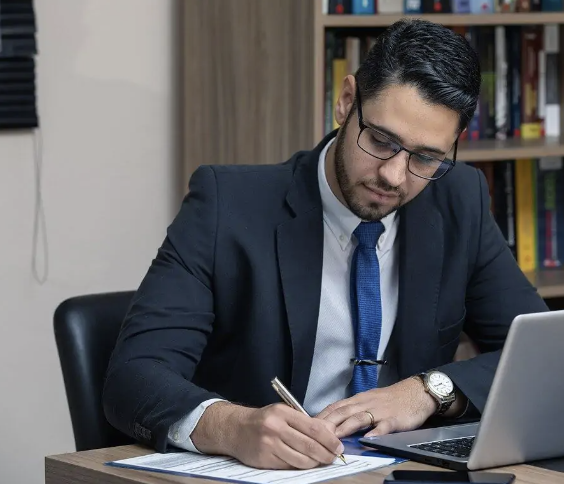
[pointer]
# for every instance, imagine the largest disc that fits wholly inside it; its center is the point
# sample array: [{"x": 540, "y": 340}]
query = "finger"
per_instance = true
[
  {"x": 386, "y": 426},
  {"x": 274, "y": 462},
  {"x": 317, "y": 431},
  {"x": 328, "y": 425},
  {"x": 293, "y": 459},
  {"x": 354, "y": 423},
  {"x": 341, "y": 414},
  {"x": 341, "y": 403},
  {"x": 329, "y": 409},
  {"x": 307, "y": 447}
]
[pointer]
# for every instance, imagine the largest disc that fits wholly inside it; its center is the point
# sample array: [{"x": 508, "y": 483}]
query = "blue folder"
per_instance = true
[{"x": 354, "y": 447}]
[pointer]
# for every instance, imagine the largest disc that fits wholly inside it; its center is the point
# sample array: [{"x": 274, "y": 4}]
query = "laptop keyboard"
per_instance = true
[{"x": 460, "y": 447}]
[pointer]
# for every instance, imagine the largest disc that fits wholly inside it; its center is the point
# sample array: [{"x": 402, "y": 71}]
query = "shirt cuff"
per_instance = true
[{"x": 179, "y": 433}]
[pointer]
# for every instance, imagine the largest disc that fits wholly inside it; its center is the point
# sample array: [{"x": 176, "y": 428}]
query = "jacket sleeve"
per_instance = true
[
  {"x": 148, "y": 382},
  {"x": 497, "y": 292}
]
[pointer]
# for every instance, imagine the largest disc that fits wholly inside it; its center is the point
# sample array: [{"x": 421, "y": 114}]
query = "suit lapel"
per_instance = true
[
  {"x": 300, "y": 259},
  {"x": 421, "y": 260}
]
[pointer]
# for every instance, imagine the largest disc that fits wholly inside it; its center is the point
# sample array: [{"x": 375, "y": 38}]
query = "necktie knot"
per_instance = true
[{"x": 368, "y": 233}]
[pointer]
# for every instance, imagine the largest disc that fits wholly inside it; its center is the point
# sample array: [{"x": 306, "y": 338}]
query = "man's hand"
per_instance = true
[
  {"x": 397, "y": 408},
  {"x": 273, "y": 437}
]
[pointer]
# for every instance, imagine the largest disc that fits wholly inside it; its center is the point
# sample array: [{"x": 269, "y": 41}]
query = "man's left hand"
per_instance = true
[{"x": 397, "y": 408}]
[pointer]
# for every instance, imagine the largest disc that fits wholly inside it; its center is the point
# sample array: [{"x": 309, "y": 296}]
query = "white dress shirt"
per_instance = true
[{"x": 331, "y": 369}]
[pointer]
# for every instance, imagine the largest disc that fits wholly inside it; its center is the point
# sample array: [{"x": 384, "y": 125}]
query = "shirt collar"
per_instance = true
[{"x": 340, "y": 220}]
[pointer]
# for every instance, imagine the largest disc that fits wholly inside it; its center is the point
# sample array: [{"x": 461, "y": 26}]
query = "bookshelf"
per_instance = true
[
  {"x": 533, "y": 18},
  {"x": 477, "y": 151},
  {"x": 494, "y": 150},
  {"x": 253, "y": 85},
  {"x": 550, "y": 284}
]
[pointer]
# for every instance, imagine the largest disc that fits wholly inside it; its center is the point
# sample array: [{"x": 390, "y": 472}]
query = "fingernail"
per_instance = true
[{"x": 341, "y": 449}]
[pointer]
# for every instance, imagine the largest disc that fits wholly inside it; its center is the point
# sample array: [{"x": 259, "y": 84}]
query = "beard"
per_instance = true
[{"x": 369, "y": 212}]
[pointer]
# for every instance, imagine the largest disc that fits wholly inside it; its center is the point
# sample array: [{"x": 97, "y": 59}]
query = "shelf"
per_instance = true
[
  {"x": 451, "y": 20},
  {"x": 510, "y": 149},
  {"x": 549, "y": 283}
]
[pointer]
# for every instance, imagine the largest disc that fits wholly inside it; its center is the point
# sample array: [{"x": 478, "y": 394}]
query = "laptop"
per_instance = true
[{"x": 523, "y": 419}]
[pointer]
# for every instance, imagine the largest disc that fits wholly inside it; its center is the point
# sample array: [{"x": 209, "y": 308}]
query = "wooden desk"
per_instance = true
[{"x": 88, "y": 468}]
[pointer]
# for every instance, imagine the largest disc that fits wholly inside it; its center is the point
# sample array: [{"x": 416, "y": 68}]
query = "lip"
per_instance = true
[{"x": 381, "y": 195}]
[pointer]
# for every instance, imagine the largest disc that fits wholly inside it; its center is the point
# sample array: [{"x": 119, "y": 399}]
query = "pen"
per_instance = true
[{"x": 292, "y": 402}]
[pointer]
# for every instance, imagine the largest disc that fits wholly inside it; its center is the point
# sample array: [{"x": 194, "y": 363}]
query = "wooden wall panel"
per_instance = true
[{"x": 248, "y": 81}]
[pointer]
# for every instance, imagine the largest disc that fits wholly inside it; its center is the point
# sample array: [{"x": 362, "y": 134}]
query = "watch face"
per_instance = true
[{"x": 441, "y": 384}]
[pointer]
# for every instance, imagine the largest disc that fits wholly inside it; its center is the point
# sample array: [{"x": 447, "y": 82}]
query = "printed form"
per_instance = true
[{"x": 228, "y": 469}]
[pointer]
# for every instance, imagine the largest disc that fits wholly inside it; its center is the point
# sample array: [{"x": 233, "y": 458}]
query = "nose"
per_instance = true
[{"x": 394, "y": 170}]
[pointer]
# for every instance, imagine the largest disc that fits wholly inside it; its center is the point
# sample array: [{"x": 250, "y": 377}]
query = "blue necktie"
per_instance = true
[{"x": 365, "y": 304}]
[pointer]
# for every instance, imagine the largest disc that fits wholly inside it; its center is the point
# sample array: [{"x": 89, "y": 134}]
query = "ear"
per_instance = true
[{"x": 346, "y": 99}]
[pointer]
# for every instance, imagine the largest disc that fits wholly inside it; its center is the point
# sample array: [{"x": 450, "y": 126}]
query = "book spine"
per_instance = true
[
  {"x": 514, "y": 69},
  {"x": 504, "y": 190},
  {"x": 390, "y": 6},
  {"x": 531, "y": 45},
  {"x": 474, "y": 125},
  {"x": 352, "y": 46},
  {"x": 551, "y": 5},
  {"x": 486, "y": 52},
  {"x": 481, "y": 6},
  {"x": 340, "y": 67},
  {"x": 412, "y": 6},
  {"x": 523, "y": 5},
  {"x": 541, "y": 87},
  {"x": 525, "y": 204},
  {"x": 363, "y": 7},
  {"x": 340, "y": 7},
  {"x": 506, "y": 6},
  {"x": 549, "y": 176},
  {"x": 501, "y": 105},
  {"x": 552, "y": 81},
  {"x": 461, "y": 6}
]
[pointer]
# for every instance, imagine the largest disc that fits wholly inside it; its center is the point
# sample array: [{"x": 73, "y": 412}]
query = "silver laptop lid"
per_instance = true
[{"x": 524, "y": 416}]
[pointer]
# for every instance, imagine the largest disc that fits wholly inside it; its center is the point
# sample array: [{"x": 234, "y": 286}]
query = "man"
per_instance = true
[{"x": 345, "y": 272}]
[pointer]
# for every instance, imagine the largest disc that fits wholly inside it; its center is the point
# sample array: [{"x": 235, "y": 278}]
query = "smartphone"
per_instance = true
[{"x": 440, "y": 477}]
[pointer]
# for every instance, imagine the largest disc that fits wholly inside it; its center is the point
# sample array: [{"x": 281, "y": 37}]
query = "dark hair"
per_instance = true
[{"x": 440, "y": 63}]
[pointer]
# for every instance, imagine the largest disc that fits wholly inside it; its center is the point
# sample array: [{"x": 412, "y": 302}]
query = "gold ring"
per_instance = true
[{"x": 372, "y": 421}]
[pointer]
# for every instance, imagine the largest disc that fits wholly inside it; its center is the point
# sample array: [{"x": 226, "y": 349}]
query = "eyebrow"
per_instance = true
[{"x": 398, "y": 138}]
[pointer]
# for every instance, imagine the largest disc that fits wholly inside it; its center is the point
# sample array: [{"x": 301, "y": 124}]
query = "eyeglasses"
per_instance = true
[{"x": 381, "y": 146}]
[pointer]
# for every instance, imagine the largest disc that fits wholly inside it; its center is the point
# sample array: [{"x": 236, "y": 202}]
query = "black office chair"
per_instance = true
[{"x": 86, "y": 329}]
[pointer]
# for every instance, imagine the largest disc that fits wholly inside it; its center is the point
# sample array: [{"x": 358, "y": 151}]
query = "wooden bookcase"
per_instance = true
[{"x": 253, "y": 85}]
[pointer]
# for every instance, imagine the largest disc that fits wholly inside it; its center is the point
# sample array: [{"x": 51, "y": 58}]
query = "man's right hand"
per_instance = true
[{"x": 273, "y": 437}]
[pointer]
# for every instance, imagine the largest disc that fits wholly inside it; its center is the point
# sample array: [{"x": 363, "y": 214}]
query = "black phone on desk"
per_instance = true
[{"x": 450, "y": 477}]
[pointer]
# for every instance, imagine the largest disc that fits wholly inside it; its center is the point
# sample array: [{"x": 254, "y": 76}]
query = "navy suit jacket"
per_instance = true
[{"x": 232, "y": 298}]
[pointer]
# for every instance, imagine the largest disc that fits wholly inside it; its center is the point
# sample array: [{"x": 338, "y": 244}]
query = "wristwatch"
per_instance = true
[{"x": 440, "y": 387}]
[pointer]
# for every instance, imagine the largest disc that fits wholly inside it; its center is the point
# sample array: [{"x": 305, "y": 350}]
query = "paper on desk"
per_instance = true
[{"x": 227, "y": 469}]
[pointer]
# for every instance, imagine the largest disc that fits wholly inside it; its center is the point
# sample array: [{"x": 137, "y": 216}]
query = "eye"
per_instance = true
[
  {"x": 381, "y": 142},
  {"x": 425, "y": 159}
]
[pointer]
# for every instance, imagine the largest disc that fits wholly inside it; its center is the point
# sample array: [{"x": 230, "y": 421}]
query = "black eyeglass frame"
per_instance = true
[{"x": 450, "y": 163}]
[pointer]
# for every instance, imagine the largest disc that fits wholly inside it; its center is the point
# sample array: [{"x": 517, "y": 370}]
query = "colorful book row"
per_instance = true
[
  {"x": 527, "y": 202},
  {"x": 373, "y": 7},
  {"x": 520, "y": 95}
]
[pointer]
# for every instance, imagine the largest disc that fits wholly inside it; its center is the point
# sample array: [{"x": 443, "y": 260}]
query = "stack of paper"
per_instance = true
[{"x": 224, "y": 468}]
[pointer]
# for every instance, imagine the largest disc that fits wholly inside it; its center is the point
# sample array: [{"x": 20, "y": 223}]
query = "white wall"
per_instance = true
[{"x": 107, "y": 101}]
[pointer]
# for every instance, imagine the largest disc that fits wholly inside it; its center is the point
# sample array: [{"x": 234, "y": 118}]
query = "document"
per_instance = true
[{"x": 228, "y": 469}]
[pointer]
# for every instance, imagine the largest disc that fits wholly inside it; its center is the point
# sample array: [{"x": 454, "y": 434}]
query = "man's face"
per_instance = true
[{"x": 373, "y": 188}]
